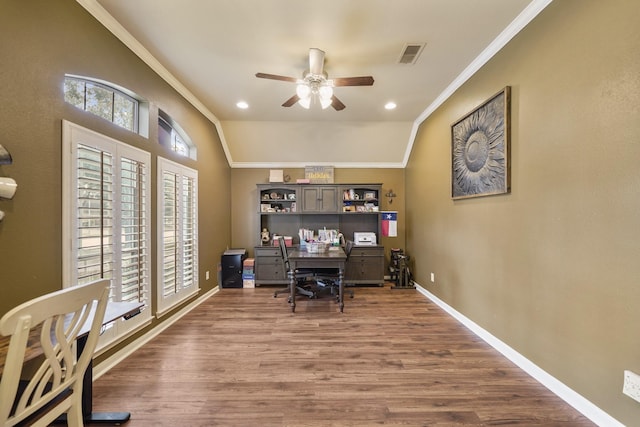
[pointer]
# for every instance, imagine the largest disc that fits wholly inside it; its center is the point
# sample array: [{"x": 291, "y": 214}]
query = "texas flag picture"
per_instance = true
[{"x": 389, "y": 223}]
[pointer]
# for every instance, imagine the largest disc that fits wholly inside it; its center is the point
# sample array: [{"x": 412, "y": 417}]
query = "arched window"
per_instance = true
[
  {"x": 118, "y": 105},
  {"x": 172, "y": 136}
]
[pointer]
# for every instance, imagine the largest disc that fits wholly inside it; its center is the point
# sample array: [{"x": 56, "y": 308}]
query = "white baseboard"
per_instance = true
[
  {"x": 574, "y": 399},
  {"x": 104, "y": 366}
]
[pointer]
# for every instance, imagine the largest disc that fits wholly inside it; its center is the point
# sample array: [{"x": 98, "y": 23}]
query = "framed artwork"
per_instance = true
[
  {"x": 369, "y": 195},
  {"x": 480, "y": 144}
]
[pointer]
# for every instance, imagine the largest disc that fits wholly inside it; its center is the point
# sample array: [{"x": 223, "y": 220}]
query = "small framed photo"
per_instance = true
[
  {"x": 369, "y": 195},
  {"x": 291, "y": 196},
  {"x": 264, "y": 207}
]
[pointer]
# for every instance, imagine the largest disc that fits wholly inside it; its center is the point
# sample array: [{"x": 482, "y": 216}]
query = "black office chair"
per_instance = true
[
  {"x": 302, "y": 275},
  {"x": 330, "y": 277}
]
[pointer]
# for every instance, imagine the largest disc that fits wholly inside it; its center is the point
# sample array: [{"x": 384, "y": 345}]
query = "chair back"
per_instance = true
[
  {"x": 283, "y": 253},
  {"x": 51, "y": 322},
  {"x": 348, "y": 247}
]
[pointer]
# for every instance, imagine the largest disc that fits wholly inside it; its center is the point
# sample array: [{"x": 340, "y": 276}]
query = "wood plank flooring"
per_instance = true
[{"x": 392, "y": 358}]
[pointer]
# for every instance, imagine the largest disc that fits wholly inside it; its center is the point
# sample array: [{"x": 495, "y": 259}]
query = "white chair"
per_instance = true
[{"x": 56, "y": 386}]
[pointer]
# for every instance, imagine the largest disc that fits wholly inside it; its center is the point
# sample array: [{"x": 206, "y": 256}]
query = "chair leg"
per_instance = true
[
  {"x": 307, "y": 292},
  {"x": 281, "y": 291}
]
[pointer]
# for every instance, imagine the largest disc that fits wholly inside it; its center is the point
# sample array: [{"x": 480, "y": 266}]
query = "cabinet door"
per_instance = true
[{"x": 320, "y": 199}]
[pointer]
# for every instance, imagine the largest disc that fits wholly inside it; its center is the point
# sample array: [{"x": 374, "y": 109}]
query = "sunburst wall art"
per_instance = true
[{"x": 480, "y": 149}]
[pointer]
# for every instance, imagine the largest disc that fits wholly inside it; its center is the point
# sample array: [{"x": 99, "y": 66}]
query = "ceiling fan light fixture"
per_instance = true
[
  {"x": 303, "y": 91},
  {"x": 305, "y": 102},
  {"x": 315, "y": 86},
  {"x": 325, "y": 92}
]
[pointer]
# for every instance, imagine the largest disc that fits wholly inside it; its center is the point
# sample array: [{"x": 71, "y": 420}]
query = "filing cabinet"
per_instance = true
[
  {"x": 365, "y": 266},
  {"x": 231, "y": 267},
  {"x": 269, "y": 268}
]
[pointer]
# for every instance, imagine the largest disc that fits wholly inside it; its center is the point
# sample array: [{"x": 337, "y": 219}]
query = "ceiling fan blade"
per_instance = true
[
  {"x": 337, "y": 104},
  {"x": 291, "y": 101},
  {"x": 316, "y": 61},
  {"x": 353, "y": 81},
  {"x": 276, "y": 77}
]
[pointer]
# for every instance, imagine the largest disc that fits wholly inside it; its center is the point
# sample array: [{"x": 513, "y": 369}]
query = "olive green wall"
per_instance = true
[
  {"x": 41, "y": 41},
  {"x": 551, "y": 269},
  {"x": 244, "y": 205}
]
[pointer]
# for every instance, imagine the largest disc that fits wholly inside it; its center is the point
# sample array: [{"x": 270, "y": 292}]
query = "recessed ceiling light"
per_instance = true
[
  {"x": 390, "y": 105},
  {"x": 242, "y": 105}
]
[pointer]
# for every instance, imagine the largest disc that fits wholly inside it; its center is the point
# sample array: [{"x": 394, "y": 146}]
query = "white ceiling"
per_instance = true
[{"x": 210, "y": 51}]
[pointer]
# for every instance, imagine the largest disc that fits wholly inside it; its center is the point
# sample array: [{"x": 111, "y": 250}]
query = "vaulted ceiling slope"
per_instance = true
[{"x": 211, "y": 50}]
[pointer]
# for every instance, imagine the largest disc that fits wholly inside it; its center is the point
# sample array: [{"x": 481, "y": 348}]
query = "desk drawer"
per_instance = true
[
  {"x": 367, "y": 251},
  {"x": 267, "y": 251},
  {"x": 270, "y": 272}
]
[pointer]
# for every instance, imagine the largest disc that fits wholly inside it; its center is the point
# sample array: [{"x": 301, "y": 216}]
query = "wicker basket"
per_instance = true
[{"x": 317, "y": 247}]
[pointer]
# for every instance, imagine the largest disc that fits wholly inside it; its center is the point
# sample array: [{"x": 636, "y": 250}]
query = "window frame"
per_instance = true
[
  {"x": 165, "y": 303},
  {"x": 177, "y": 136},
  {"x": 74, "y": 135},
  {"x": 141, "y": 108}
]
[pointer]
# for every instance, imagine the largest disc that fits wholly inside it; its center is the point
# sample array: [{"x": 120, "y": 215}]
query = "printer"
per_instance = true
[{"x": 364, "y": 238}]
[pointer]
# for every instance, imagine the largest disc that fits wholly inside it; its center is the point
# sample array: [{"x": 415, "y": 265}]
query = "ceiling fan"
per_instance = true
[{"x": 314, "y": 84}]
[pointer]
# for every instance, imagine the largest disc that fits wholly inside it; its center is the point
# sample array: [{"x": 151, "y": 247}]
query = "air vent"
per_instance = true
[{"x": 410, "y": 53}]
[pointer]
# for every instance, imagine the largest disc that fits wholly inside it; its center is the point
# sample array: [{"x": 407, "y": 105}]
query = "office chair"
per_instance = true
[
  {"x": 330, "y": 277},
  {"x": 302, "y": 275},
  {"x": 52, "y": 323}
]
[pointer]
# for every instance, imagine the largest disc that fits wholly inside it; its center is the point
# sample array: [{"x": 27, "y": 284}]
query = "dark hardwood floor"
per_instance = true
[{"x": 392, "y": 358}]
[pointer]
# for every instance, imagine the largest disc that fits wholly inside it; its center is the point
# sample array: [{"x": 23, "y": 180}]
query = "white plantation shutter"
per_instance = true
[
  {"x": 177, "y": 233},
  {"x": 94, "y": 214},
  {"x": 169, "y": 259},
  {"x": 106, "y": 219},
  {"x": 134, "y": 235},
  {"x": 189, "y": 233}
]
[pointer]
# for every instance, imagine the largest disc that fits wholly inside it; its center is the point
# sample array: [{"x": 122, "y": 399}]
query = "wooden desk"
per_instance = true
[
  {"x": 114, "y": 311},
  {"x": 335, "y": 259}
]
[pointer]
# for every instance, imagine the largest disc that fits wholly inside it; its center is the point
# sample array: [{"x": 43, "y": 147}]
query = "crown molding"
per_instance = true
[
  {"x": 521, "y": 21},
  {"x": 110, "y": 23},
  {"x": 296, "y": 165}
]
